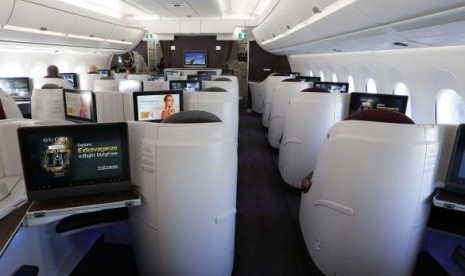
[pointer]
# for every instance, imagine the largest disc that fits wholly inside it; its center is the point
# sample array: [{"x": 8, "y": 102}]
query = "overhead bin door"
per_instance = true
[
  {"x": 30, "y": 15},
  {"x": 5, "y": 10}
]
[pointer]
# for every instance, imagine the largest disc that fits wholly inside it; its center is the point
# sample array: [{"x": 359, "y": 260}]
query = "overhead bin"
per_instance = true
[
  {"x": 6, "y": 6},
  {"x": 31, "y": 23},
  {"x": 364, "y": 25},
  {"x": 31, "y": 15}
]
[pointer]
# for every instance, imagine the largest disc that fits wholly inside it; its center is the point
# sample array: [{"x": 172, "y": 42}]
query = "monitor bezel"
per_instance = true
[
  {"x": 203, "y": 52},
  {"x": 358, "y": 95},
  {"x": 135, "y": 95},
  {"x": 74, "y": 188},
  {"x": 93, "y": 107}
]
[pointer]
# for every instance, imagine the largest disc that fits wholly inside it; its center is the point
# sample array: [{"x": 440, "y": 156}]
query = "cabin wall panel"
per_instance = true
[
  {"x": 34, "y": 64},
  {"x": 425, "y": 71},
  {"x": 6, "y": 6}
]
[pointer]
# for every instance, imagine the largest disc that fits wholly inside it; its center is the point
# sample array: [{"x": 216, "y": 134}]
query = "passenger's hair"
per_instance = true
[{"x": 52, "y": 71}]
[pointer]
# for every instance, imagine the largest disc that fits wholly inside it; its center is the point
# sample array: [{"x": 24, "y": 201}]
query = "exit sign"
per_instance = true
[
  {"x": 149, "y": 36},
  {"x": 242, "y": 36}
]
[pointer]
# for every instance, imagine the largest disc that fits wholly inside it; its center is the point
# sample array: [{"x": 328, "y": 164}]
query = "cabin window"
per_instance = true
[
  {"x": 351, "y": 82},
  {"x": 371, "y": 86},
  {"x": 449, "y": 108},
  {"x": 334, "y": 77},
  {"x": 310, "y": 73},
  {"x": 322, "y": 76},
  {"x": 402, "y": 89}
]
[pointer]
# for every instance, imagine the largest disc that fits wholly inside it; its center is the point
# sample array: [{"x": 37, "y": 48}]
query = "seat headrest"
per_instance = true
[
  {"x": 315, "y": 89},
  {"x": 214, "y": 89},
  {"x": 291, "y": 80},
  {"x": 380, "y": 115},
  {"x": 51, "y": 86},
  {"x": 192, "y": 117},
  {"x": 222, "y": 79}
]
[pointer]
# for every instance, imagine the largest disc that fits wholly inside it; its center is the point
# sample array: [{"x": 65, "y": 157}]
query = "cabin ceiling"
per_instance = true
[{"x": 286, "y": 27}]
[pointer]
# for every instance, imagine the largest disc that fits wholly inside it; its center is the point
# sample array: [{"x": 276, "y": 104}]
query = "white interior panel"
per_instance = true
[
  {"x": 90, "y": 27},
  {"x": 30, "y": 15},
  {"x": 191, "y": 26},
  {"x": 6, "y": 6}
]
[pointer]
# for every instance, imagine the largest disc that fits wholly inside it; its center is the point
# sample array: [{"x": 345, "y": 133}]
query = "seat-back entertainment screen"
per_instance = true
[
  {"x": 333, "y": 87},
  {"x": 186, "y": 85},
  {"x": 154, "y": 106},
  {"x": 364, "y": 101},
  {"x": 80, "y": 106}
]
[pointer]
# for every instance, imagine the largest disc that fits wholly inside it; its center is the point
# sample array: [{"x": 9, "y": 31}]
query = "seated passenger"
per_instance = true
[
  {"x": 52, "y": 72},
  {"x": 93, "y": 70}
]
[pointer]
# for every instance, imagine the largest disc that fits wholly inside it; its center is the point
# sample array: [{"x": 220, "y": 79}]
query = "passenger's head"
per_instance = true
[
  {"x": 52, "y": 71},
  {"x": 92, "y": 69}
]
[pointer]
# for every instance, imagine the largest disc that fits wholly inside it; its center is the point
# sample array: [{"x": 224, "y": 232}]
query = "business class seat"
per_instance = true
[
  {"x": 228, "y": 85},
  {"x": 62, "y": 83},
  {"x": 105, "y": 85},
  {"x": 369, "y": 199},
  {"x": 86, "y": 81},
  {"x": 283, "y": 94},
  {"x": 215, "y": 100},
  {"x": 8, "y": 107},
  {"x": 271, "y": 84},
  {"x": 187, "y": 175},
  {"x": 307, "y": 122},
  {"x": 47, "y": 104}
]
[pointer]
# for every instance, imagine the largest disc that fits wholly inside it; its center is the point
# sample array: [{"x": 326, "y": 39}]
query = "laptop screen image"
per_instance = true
[{"x": 72, "y": 160}]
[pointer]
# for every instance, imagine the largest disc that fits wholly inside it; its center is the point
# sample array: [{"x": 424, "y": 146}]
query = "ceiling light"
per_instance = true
[
  {"x": 90, "y": 37},
  {"x": 118, "y": 41},
  {"x": 112, "y": 8}
]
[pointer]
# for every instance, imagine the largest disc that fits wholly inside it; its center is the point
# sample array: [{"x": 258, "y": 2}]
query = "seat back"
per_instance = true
[
  {"x": 109, "y": 106},
  {"x": 47, "y": 104},
  {"x": 370, "y": 198},
  {"x": 86, "y": 81},
  {"x": 38, "y": 83},
  {"x": 141, "y": 77},
  {"x": 271, "y": 83},
  {"x": 186, "y": 174},
  {"x": 283, "y": 94},
  {"x": 306, "y": 124},
  {"x": 222, "y": 104},
  {"x": 105, "y": 85},
  {"x": 8, "y": 107},
  {"x": 155, "y": 85}
]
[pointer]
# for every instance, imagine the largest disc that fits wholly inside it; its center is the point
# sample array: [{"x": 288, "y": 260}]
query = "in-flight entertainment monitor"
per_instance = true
[
  {"x": 206, "y": 75},
  {"x": 80, "y": 106},
  {"x": 364, "y": 101},
  {"x": 172, "y": 73},
  {"x": 17, "y": 88},
  {"x": 157, "y": 77},
  {"x": 186, "y": 85},
  {"x": 71, "y": 160},
  {"x": 71, "y": 78},
  {"x": 309, "y": 79},
  {"x": 104, "y": 73},
  {"x": 154, "y": 106},
  {"x": 333, "y": 87},
  {"x": 192, "y": 77},
  {"x": 195, "y": 59},
  {"x": 455, "y": 180}
]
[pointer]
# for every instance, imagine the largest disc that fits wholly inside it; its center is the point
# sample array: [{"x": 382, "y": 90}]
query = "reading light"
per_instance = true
[{"x": 218, "y": 47}]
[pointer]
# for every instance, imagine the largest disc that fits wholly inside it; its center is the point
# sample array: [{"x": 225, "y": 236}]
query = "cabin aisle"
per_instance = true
[{"x": 268, "y": 238}]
